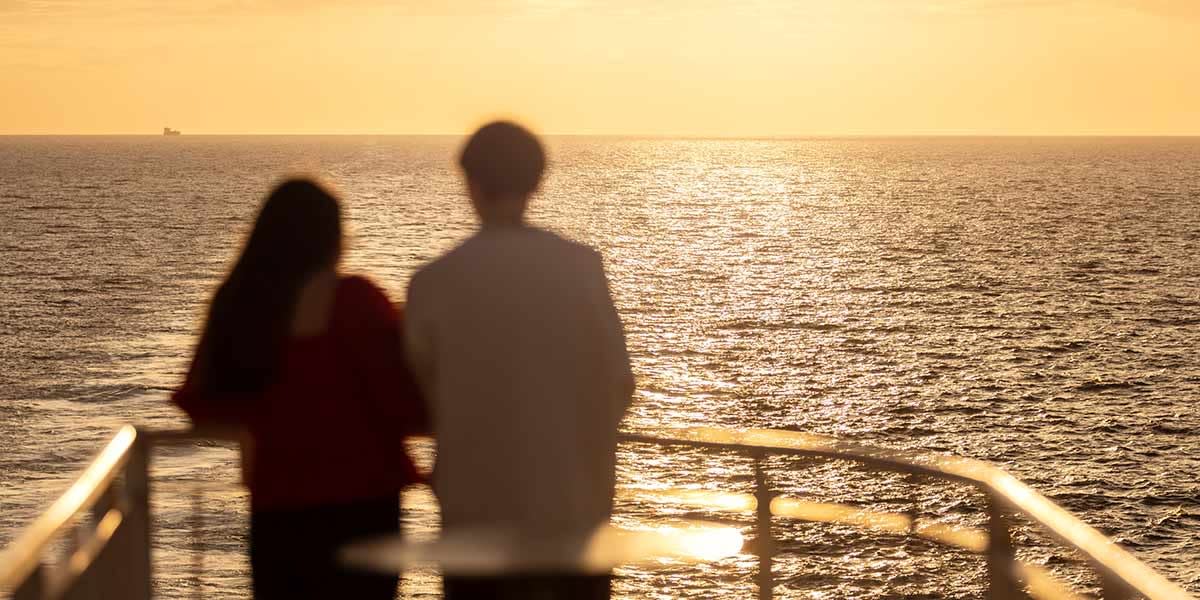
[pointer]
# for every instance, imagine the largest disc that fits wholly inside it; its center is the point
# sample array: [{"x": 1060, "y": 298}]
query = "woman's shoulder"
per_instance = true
[
  {"x": 359, "y": 285},
  {"x": 359, "y": 297}
]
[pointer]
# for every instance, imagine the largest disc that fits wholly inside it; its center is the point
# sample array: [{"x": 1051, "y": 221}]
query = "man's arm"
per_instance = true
[{"x": 613, "y": 350}]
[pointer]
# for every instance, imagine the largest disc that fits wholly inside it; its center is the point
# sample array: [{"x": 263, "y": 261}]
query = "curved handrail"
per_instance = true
[
  {"x": 23, "y": 556},
  {"x": 1108, "y": 557}
]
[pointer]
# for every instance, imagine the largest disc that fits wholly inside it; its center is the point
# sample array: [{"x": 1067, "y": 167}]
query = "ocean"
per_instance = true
[{"x": 1034, "y": 302}]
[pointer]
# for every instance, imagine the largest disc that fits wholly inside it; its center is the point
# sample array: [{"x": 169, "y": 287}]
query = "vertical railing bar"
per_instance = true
[
  {"x": 909, "y": 542},
  {"x": 1001, "y": 557},
  {"x": 33, "y": 587},
  {"x": 81, "y": 531},
  {"x": 1113, "y": 588},
  {"x": 766, "y": 542},
  {"x": 106, "y": 502},
  {"x": 197, "y": 521},
  {"x": 137, "y": 519},
  {"x": 402, "y": 584}
]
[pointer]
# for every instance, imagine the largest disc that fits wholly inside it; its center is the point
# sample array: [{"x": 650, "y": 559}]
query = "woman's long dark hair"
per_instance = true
[{"x": 298, "y": 232}]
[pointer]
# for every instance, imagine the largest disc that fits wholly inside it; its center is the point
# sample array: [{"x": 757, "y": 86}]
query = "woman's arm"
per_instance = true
[
  {"x": 205, "y": 409},
  {"x": 390, "y": 387}
]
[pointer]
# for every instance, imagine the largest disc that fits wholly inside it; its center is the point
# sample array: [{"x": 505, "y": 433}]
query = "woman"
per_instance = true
[{"x": 311, "y": 364}]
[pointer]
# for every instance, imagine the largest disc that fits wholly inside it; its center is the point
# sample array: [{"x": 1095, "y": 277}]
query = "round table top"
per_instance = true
[{"x": 498, "y": 551}]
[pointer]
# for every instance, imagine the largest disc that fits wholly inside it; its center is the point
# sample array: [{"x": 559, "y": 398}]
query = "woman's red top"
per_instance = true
[{"x": 331, "y": 429}]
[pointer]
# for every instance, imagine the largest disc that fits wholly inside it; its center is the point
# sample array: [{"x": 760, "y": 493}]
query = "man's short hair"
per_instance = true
[{"x": 503, "y": 158}]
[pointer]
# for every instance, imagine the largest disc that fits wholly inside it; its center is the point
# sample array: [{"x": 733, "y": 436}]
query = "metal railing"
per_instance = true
[
  {"x": 105, "y": 517},
  {"x": 1122, "y": 575},
  {"x": 106, "y": 513}
]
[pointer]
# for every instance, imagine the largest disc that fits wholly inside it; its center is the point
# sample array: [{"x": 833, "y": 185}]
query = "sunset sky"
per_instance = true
[{"x": 662, "y": 67}]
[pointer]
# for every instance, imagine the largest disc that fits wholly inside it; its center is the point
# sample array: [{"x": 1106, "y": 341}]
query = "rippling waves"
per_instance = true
[{"x": 1030, "y": 302}]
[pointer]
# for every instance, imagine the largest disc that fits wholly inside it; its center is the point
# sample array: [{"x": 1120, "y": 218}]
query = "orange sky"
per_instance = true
[{"x": 663, "y": 67}]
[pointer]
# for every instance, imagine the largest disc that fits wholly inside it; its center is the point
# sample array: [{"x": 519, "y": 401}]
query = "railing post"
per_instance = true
[
  {"x": 137, "y": 520},
  {"x": 766, "y": 543},
  {"x": 1112, "y": 588},
  {"x": 197, "y": 523},
  {"x": 34, "y": 586},
  {"x": 1000, "y": 554}
]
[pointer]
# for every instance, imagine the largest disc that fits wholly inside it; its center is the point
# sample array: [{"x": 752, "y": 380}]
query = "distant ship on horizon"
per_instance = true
[{"x": 169, "y": 131}]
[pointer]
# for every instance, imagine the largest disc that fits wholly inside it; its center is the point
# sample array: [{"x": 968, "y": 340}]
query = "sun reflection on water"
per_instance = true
[{"x": 710, "y": 543}]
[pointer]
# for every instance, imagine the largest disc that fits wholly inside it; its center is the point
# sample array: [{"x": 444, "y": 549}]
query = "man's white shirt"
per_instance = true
[{"x": 521, "y": 356}]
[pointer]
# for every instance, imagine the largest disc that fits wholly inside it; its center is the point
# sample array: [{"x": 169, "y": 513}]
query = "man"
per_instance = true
[{"x": 514, "y": 338}]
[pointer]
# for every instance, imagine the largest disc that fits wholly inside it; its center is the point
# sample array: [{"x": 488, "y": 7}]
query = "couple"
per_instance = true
[{"x": 508, "y": 351}]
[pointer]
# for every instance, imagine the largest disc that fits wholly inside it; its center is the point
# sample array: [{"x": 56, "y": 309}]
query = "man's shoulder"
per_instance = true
[
  {"x": 482, "y": 250},
  {"x": 430, "y": 271},
  {"x": 576, "y": 249},
  {"x": 423, "y": 281}
]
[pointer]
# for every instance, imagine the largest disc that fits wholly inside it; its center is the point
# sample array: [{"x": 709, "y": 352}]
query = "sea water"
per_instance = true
[{"x": 1031, "y": 302}]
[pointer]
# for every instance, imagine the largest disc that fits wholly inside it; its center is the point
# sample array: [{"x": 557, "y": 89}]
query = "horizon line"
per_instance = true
[{"x": 652, "y": 135}]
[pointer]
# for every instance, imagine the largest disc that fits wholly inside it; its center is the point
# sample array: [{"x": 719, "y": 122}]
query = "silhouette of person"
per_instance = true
[
  {"x": 514, "y": 338},
  {"x": 311, "y": 363}
]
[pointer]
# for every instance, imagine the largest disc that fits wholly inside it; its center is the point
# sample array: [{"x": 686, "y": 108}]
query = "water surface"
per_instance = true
[{"x": 1033, "y": 302}]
